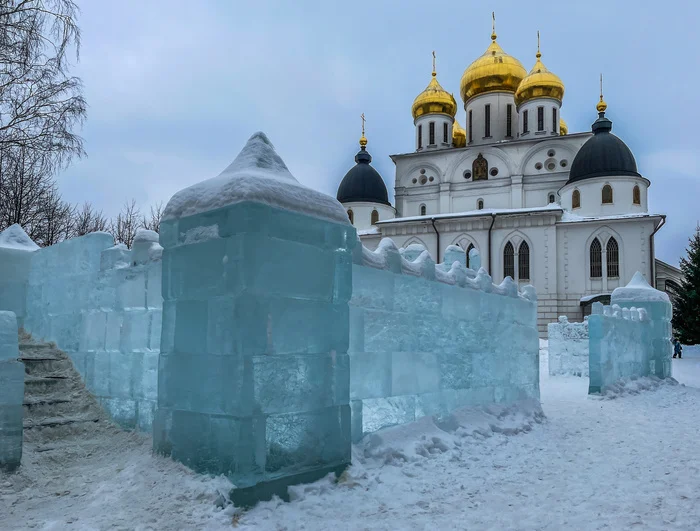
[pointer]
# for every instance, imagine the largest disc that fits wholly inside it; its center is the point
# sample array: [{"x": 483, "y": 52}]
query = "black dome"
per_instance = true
[
  {"x": 363, "y": 182},
  {"x": 602, "y": 155}
]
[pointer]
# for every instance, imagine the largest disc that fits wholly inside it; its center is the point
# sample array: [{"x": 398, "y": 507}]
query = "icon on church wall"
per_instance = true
[{"x": 480, "y": 168}]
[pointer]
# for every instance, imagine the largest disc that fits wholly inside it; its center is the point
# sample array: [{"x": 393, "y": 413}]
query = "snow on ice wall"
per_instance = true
[
  {"x": 16, "y": 250},
  {"x": 630, "y": 341},
  {"x": 11, "y": 394},
  {"x": 568, "y": 348},
  {"x": 102, "y": 305},
  {"x": 426, "y": 339},
  {"x": 254, "y": 371}
]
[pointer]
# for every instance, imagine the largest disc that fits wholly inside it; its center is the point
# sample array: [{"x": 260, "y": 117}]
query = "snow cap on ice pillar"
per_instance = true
[{"x": 253, "y": 369}]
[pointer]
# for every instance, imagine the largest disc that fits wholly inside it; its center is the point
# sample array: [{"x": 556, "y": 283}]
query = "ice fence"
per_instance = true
[
  {"x": 102, "y": 305},
  {"x": 426, "y": 339},
  {"x": 568, "y": 348},
  {"x": 16, "y": 249},
  {"x": 631, "y": 337}
]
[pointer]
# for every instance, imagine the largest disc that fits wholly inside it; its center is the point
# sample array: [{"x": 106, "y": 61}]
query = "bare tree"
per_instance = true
[
  {"x": 87, "y": 220},
  {"x": 124, "y": 226},
  {"x": 40, "y": 104},
  {"x": 153, "y": 221},
  {"x": 57, "y": 220}
]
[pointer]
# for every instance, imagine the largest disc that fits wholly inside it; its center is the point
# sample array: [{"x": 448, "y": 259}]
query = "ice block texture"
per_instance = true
[
  {"x": 102, "y": 305},
  {"x": 631, "y": 341},
  {"x": 254, "y": 371},
  {"x": 568, "y": 348},
  {"x": 11, "y": 394},
  {"x": 16, "y": 250},
  {"x": 427, "y": 339}
]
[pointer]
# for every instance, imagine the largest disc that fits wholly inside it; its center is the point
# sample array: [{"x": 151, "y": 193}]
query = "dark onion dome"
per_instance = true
[
  {"x": 363, "y": 183},
  {"x": 603, "y": 154}
]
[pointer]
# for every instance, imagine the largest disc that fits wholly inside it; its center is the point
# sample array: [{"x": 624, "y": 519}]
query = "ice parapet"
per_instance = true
[
  {"x": 426, "y": 339},
  {"x": 568, "y": 348},
  {"x": 632, "y": 340},
  {"x": 16, "y": 249},
  {"x": 11, "y": 394},
  {"x": 254, "y": 371}
]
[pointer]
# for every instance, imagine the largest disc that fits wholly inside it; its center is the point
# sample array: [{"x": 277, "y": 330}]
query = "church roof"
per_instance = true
[
  {"x": 603, "y": 154},
  {"x": 363, "y": 183}
]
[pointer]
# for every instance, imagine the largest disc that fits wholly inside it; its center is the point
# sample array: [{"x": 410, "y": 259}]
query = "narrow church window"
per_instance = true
[
  {"x": 636, "y": 196},
  {"x": 607, "y": 194},
  {"x": 375, "y": 217},
  {"x": 551, "y": 198},
  {"x": 470, "y": 127},
  {"x": 431, "y": 133},
  {"x": 540, "y": 118},
  {"x": 508, "y": 261},
  {"x": 471, "y": 246},
  {"x": 576, "y": 199},
  {"x": 351, "y": 216},
  {"x": 420, "y": 136},
  {"x": 444, "y": 132},
  {"x": 524, "y": 261},
  {"x": 596, "y": 259},
  {"x": 613, "y": 256},
  {"x": 509, "y": 120},
  {"x": 554, "y": 120},
  {"x": 525, "y": 122},
  {"x": 487, "y": 120},
  {"x": 480, "y": 204},
  {"x": 422, "y": 210}
]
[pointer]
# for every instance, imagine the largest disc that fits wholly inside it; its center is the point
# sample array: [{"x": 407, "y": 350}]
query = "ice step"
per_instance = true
[
  {"x": 42, "y": 366},
  {"x": 49, "y": 422},
  {"x": 50, "y": 383},
  {"x": 36, "y": 350},
  {"x": 47, "y": 407}
]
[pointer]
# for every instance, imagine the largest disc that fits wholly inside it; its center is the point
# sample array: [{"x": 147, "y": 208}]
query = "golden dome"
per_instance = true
[
  {"x": 493, "y": 71},
  {"x": 459, "y": 135},
  {"x": 601, "y": 105},
  {"x": 434, "y": 99},
  {"x": 539, "y": 83},
  {"x": 563, "y": 128}
]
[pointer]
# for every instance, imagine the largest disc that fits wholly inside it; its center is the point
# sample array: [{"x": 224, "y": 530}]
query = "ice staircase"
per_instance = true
[{"x": 56, "y": 403}]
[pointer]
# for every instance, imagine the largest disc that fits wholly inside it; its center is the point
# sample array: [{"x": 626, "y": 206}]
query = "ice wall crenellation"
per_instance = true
[{"x": 416, "y": 261}]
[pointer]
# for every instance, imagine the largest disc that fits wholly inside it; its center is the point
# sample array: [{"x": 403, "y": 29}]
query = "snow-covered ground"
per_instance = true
[{"x": 622, "y": 462}]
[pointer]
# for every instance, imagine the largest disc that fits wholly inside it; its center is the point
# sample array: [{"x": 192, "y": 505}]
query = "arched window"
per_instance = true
[
  {"x": 375, "y": 217},
  {"x": 351, "y": 216},
  {"x": 444, "y": 132},
  {"x": 524, "y": 261},
  {"x": 480, "y": 204},
  {"x": 576, "y": 199},
  {"x": 552, "y": 199},
  {"x": 471, "y": 246},
  {"x": 423, "y": 210},
  {"x": 508, "y": 261},
  {"x": 596, "y": 259},
  {"x": 607, "y": 194},
  {"x": 613, "y": 256},
  {"x": 431, "y": 133},
  {"x": 636, "y": 195},
  {"x": 420, "y": 136}
]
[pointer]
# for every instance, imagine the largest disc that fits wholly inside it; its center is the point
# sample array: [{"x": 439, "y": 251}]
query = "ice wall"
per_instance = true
[
  {"x": 568, "y": 348},
  {"x": 254, "y": 371},
  {"x": 632, "y": 341},
  {"x": 11, "y": 394},
  {"x": 16, "y": 250},
  {"x": 102, "y": 305},
  {"x": 426, "y": 339}
]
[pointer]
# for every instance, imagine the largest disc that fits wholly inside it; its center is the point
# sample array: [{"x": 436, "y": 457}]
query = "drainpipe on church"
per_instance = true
[
  {"x": 493, "y": 220},
  {"x": 437, "y": 261},
  {"x": 651, "y": 251}
]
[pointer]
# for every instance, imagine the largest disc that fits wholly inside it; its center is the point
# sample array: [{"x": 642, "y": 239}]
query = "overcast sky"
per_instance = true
[{"x": 175, "y": 88}]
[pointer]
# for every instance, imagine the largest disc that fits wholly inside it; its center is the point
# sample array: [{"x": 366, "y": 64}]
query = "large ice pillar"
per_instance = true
[
  {"x": 11, "y": 394},
  {"x": 253, "y": 370},
  {"x": 16, "y": 250}
]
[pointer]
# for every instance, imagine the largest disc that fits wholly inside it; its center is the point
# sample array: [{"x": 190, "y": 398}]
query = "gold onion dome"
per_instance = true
[
  {"x": 459, "y": 135},
  {"x": 539, "y": 83},
  {"x": 563, "y": 128},
  {"x": 434, "y": 99},
  {"x": 493, "y": 71}
]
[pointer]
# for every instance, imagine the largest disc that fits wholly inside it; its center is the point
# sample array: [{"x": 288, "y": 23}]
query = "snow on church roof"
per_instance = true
[
  {"x": 570, "y": 217},
  {"x": 258, "y": 174},
  {"x": 476, "y": 213}
]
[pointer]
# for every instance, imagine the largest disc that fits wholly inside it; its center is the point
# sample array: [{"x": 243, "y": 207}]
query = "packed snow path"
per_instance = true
[{"x": 623, "y": 463}]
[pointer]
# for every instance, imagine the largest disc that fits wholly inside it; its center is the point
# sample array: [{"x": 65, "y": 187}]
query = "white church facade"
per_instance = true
[{"x": 567, "y": 213}]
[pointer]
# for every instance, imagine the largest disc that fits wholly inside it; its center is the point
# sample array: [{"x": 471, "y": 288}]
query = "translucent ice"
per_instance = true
[
  {"x": 568, "y": 348},
  {"x": 11, "y": 394},
  {"x": 16, "y": 249}
]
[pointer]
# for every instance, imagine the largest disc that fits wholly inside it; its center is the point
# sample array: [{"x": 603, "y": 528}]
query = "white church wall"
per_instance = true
[
  {"x": 591, "y": 191},
  {"x": 422, "y": 123},
  {"x": 498, "y": 102},
  {"x": 362, "y": 213},
  {"x": 550, "y": 126}
]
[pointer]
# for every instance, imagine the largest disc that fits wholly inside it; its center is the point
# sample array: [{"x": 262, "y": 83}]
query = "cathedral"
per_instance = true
[{"x": 565, "y": 212}]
